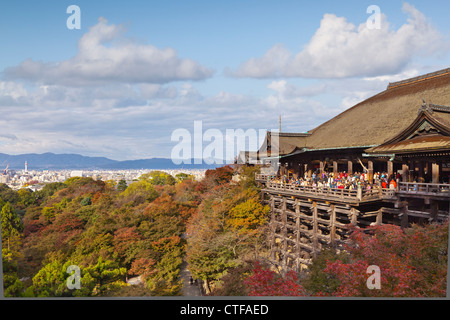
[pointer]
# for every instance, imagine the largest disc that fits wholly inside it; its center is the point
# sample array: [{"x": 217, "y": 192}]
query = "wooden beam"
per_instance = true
[
  {"x": 332, "y": 225},
  {"x": 370, "y": 171},
  {"x": 284, "y": 231},
  {"x": 390, "y": 168},
  {"x": 354, "y": 217},
  {"x": 434, "y": 207},
  {"x": 405, "y": 173},
  {"x": 297, "y": 227},
  {"x": 404, "y": 215},
  {"x": 435, "y": 172},
  {"x": 349, "y": 167},
  {"x": 315, "y": 230},
  {"x": 379, "y": 220},
  {"x": 273, "y": 230}
]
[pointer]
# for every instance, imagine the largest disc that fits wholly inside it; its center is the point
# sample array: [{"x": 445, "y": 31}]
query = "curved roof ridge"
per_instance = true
[
  {"x": 418, "y": 78},
  {"x": 383, "y": 115},
  {"x": 428, "y": 76}
]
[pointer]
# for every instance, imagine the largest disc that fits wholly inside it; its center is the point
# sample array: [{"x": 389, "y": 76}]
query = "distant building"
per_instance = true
[{"x": 76, "y": 173}]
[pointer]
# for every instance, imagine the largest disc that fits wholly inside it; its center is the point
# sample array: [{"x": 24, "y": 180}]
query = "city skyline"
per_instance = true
[{"x": 119, "y": 86}]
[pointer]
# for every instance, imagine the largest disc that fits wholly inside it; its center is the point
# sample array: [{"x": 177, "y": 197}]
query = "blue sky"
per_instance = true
[{"x": 138, "y": 70}]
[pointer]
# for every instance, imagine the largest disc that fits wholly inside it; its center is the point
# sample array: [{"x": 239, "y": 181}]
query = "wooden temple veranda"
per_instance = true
[{"x": 403, "y": 131}]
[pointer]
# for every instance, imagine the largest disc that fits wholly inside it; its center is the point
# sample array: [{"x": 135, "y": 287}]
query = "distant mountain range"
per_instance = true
[{"x": 52, "y": 161}]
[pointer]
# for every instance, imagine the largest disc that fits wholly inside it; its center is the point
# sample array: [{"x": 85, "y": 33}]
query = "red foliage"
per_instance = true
[
  {"x": 143, "y": 267},
  {"x": 162, "y": 206},
  {"x": 186, "y": 212},
  {"x": 408, "y": 261},
  {"x": 166, "y": 244},
  {"x": 220, "y": 175},
  {"x": 201, "y": 187},
  {"x": 124, "y": 237},
  {"x": 265, "y": 282},
  {"x": 32, "y": 226}
]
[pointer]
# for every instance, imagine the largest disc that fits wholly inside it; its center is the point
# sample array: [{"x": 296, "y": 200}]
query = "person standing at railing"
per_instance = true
[{"x": 392, "y": 185}]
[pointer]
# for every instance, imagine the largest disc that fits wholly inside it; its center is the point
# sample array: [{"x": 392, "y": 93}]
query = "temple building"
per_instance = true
[{"x": 401, "y": 134}]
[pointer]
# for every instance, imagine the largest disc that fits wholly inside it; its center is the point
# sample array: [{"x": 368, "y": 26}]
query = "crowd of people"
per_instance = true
[{"x": 341, "y": 180}]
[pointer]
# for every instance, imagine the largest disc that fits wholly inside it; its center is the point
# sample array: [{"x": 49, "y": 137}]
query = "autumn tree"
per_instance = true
[
  {"x": 266, "y": 282},
  {"x": 11, "y": 226},
  {"x": 11, "y": 233},
  {"x": 122, "y": 185},
  {"x": 179, "y": 177},
  {"x": 225, "y": 230},
  {"x": 412, "y": 262},
  {"x": 219, "y": 175},
  {"x": 140, "y": 191},
  {"x": 158, "y": 178}
]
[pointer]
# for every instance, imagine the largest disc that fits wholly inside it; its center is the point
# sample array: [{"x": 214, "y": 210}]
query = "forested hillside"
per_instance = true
[
  {"x": 109, "y": 232},
  {"x": 112, "y": 233}
]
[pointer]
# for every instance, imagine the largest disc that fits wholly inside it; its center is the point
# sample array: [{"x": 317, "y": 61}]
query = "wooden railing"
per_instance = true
[
  {"x": 360, "y": 194},
  {"x": 326, "y": 192},
  {"x": 262, "y": 177},
  {"x": 424, "y": 188}
]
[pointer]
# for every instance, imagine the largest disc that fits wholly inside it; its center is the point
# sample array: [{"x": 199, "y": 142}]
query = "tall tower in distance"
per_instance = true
[{"x": 26, "y": 166}]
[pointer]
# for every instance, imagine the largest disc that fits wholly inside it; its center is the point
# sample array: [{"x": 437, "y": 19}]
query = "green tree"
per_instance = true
[
  {"x": 8, "y": 194},
  {"x": 183, "y": 176},
  {"x": 11, "y": 225},
  {"x": 122, "y": 185},
  {"x": 160, "y": 178},
  {"x": 106, "y": 275},
  {"x": 50, "y": 281},
  {"x": 26, "y": 197},
  {"x": 247, "y": 216},
  {"x": 140, "y": 191}
]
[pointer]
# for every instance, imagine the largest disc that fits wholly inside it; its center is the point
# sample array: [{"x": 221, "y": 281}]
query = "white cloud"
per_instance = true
[
  {"x": 105, "y": 56},
  {"x": 339, "y": 49},
  {"x": 12, "y": 89}
]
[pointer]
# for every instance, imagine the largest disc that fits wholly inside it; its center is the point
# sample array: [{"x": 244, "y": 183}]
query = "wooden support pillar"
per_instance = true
[
  {"x": 421, "y": 174},
  {"x": 297, "y": 229},
  {"x": 435, "y": 173},
  {"x": 321, "y": 167},
  {"x": 412, "y": 172},
  {"x": 349, "y": 167},
  {"x": 284, "y": 233},
  {"x": 354, "y": 217},
  {"x": 379, "y": 220},
  {"x": 272, "y": 230},
  {"x": 434, "y": 206},
  {"x": 335, "y": 168},
  {"x": 405, "y": 173},
  {"x": 332, "y": 225},
  {"x": 370, "y": 171},
  {"x": 315, "y": 231},
  {"x": 404, "y": 215},
  {"x": 390, "y": 168}
]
